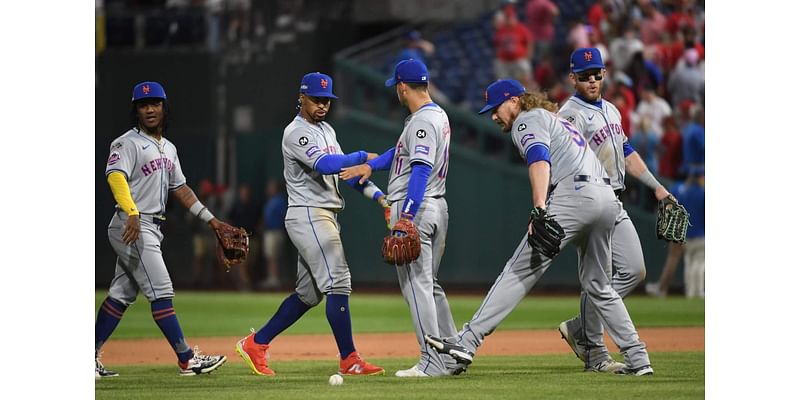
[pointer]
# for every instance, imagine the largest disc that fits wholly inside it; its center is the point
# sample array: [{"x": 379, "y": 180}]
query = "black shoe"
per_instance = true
[
  {"x": 446, "y": 346},
  {"x": 641, "y": 371}
]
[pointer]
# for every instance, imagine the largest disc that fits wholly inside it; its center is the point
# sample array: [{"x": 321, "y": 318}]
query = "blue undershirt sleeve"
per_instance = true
[
  {"x": 333, "y": 163},
  {"x": 383, "y": 161},
  {"x": 416, "y": 188},
  {"x": 627, "y": 149},
  {"x": 538, "y": 152}
]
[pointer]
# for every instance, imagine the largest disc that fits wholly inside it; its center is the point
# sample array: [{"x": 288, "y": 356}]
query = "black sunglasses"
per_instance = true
[{"x": 585, "y": 77}]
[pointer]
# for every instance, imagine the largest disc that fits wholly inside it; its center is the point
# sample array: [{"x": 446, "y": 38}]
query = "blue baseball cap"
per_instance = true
[
  {"x": 499, "y": 91},
  {"x": 409, "y": 71},
  {"x": 585, "y": 59},
  {"x": 148, "y": 90},
  {"x": 318, "y": 85}
]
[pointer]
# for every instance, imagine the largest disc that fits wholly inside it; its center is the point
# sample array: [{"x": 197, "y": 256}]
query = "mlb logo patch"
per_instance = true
[
  {"x": 422, "y": 149},
  {"x": 113, "y": 158}
]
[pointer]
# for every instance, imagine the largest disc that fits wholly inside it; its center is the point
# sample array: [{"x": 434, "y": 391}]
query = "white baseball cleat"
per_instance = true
[{"x": 412, "y": 372}]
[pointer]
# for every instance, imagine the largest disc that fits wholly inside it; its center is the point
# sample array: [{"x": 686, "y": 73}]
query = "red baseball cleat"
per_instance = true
[
  {"x": 355, "y": 365},
  {"x": 254, "y": 355}
]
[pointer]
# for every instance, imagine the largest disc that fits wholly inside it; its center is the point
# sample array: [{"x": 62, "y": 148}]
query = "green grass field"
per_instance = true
[{"x": 679, "y": 375}]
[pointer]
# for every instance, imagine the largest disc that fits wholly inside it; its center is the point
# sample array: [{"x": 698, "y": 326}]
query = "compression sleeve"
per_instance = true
[
  {"x": 416, "y": 188},
  {"x": 538, "y": 152},
  {"x": 333, "y": 163},
  {"x": 383, "y": 161},
  {"x": 122, "y": 192}
]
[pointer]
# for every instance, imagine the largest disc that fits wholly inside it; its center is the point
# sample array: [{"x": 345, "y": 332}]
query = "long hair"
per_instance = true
[
  {"x": 164, "y": 121},
  {"x": 530, "y": 100}
]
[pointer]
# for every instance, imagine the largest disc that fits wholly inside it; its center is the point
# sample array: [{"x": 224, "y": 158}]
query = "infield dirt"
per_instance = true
[{"x": 388, "y": 345}]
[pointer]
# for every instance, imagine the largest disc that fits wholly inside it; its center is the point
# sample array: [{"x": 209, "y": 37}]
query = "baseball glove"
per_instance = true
[
  {"x": 233, "y": 244},
  {"x": 673, "y": 220},
  {"x": 402, "y": 245},
  {"x": 546, "y": 233}
]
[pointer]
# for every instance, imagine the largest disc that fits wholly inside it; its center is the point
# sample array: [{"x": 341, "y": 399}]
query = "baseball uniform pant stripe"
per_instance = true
[
  {"x": 486, "y": 301},
  {"x": 144, "y": 268},
  {"x": 322, "y": 251},
  {"x": 416, "y": 308}
]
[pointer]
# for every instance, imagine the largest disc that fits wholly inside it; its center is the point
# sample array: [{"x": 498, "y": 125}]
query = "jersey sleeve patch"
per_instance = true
[
  {"x": 113, "y": 158},
  {"x": 313, "y": 150},
  {"x": 422, "y": 149}
]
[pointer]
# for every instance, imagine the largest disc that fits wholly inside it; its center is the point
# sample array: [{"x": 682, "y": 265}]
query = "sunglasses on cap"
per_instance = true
[{"x": 584, "y": 77}]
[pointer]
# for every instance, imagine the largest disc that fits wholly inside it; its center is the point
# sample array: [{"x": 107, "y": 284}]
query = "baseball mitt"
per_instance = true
[
  {"x": 546, "y": 235},
  {"x": 233, "y": 244},
  {"x": 402, "y": 245},
  {"x": 673, "y": 220}
]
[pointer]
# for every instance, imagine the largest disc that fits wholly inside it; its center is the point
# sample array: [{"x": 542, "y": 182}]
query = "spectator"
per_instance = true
[
  {"x": 578, "y": 36},
  {"x": 644, "y": 73},
  {"x": 670, "y": 154},
  {"x": 274, "y": 233},
  {"x": 654, "y": 108},
  {"x": 684, "y": 16},
  {"x": 652, "y": 25},
  {"x": 415, "y": 47},
  {"x": 245, "y": 214},
  {"x": 692, "y": 195},
  {"x": 597, "y": 19},
  {"x": 205, "y": 270},
  {"x": 687, "y": 81},
  {"x": 596, "y": 40},
  {"x": 624, "y": 47},
  {"x": 539, "y": 16},
  {"x": 513, "y": 49},
  {"x": 694, "y": 141},
  {"x": 645, "y": 142},
  {"x": 624, "y": 110}
]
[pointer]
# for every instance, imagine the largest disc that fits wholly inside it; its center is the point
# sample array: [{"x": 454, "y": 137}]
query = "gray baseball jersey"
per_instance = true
[
  {"x": 425, "y": 139},
  {"x": 153, "y": 170},
  {"x": 568, "y": 155},
  {"x": 304, "y": 144},
  {"x": 151, "y": 167},
  {"x": 602, "y": 129},
  {"x": 585, "y": 207}
]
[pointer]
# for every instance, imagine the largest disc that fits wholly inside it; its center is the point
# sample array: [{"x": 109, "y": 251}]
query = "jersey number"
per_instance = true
[{"x": 576, "y": 136}]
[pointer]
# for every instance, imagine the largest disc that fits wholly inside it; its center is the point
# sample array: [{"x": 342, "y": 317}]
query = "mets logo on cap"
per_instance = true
[
  {"x": 587, "y": 55},
  {"x": 323, "y": 83},
  {"x": 146, "y": 89}
]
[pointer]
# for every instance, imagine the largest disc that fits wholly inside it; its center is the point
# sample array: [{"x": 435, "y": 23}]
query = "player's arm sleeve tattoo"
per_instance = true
[{"x": 185, "y": 196}]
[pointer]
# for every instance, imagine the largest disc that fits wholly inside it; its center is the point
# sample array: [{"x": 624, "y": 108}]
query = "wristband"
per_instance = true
[
  {"x": 199, "y": 210},
  {"x": 649, "y": 180}
]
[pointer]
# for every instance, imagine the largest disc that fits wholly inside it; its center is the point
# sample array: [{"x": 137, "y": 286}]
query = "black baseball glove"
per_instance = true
[
  {"x": 546, "y": 235},
  {"x": 673, "y": 220}
]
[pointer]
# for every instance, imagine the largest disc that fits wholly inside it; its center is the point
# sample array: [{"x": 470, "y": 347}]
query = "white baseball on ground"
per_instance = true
[{"x": 335, "y": 380}]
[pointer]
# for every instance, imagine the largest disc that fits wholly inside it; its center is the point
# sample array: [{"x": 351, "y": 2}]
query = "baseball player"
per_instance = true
[
  {"x": 572, "y": 194},
  {"x": 312, "y": 158},
  {"x": 142, "y": 170},
  {"x": 418, "y": 172},
  {"x": 599, "y": 122}
]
